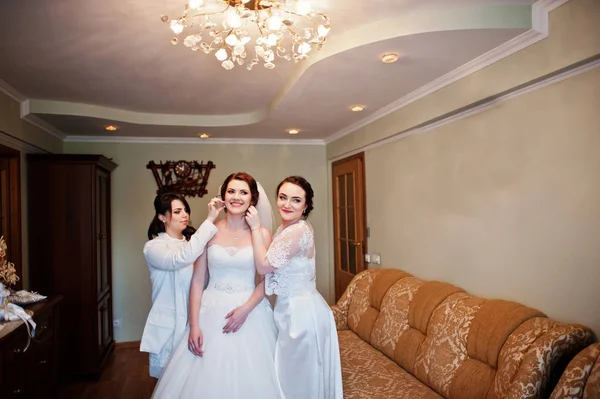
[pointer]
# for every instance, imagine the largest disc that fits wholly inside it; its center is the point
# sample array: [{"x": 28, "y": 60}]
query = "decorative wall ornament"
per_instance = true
[{"x": 188, "y": 178}]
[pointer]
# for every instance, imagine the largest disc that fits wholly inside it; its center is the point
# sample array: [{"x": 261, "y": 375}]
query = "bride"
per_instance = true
[{"x": 231, "y": 345}]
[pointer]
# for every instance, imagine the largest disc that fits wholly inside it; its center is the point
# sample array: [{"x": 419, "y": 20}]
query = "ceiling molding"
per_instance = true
[
  {"x": 493, "y": 17},
  {"x": 53, "y": 107},
  {"x": 188, "y": 140},
  {"x": 421, "y": 21},
  {"x": 540, "y": 11},
  {"x": 434, "y": 19},
  {"x": 483, "y": 105},
  {"x": 539, "y": 31},
  {"x": 35, "y": 121},
  {"x": 24, "y": 111},
  {"x": 11, "y": 92}
]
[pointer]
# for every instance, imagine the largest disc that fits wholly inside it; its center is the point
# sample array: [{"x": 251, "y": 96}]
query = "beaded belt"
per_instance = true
[{"x": 232, "y": 287}]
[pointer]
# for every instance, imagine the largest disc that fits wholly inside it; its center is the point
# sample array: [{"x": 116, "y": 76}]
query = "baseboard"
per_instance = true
[{"x": 127, "y": 344}]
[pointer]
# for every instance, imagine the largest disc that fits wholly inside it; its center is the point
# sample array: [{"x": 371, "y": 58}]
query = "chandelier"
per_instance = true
[{"x": 287, "y": 29}]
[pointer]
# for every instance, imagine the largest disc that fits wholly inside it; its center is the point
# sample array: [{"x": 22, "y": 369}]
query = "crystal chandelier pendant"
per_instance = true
[{"x": 234, "y": 29}]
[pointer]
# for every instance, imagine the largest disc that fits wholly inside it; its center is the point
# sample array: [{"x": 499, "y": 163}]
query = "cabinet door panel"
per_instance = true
[
  {"x": 14, "y": 361},
  {"x": 105, "y": 328},
  {"x": 102, "y": 233}
]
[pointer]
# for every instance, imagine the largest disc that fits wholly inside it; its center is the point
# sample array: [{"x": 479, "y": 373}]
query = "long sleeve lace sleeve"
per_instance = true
[
  {"x": 295, "y": 240},
  {"x": 160, "y": 256}
]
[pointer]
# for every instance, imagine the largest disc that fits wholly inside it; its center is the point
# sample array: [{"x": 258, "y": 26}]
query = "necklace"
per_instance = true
[{"x": 235, "y": 237}]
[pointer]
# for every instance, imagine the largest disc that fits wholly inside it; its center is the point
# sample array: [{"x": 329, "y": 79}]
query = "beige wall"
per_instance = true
[
  {"x": 20, "y": 135},
  {"x": 505, "y": 203},
  {"x": 134, "y": 188}
]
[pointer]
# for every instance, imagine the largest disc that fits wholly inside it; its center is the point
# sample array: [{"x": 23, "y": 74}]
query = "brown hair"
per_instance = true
[
  {"x": 245, "y": 177},
  {"x": 304, "y": 185}
]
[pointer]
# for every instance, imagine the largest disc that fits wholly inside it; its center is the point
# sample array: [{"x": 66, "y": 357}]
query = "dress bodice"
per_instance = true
[
  {"x": 231, "y": 268},
  {"x": 292, "y": 253}
]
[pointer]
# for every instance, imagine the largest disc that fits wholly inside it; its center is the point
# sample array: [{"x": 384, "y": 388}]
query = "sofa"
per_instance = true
[
  {"x": 403, "y": 337},
  {"x": 581, "y": 379}
]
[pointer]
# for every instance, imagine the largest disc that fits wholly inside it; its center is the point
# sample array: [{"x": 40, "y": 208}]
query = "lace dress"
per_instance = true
[
  {"x": 307, "y": 356},
  {"x": 236, "y": 365}
]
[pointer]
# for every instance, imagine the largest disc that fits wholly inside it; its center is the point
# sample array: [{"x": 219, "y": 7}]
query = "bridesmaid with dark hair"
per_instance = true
[
  {"x": 307, "y": 354},
  {"x": 173, "y": 248}
]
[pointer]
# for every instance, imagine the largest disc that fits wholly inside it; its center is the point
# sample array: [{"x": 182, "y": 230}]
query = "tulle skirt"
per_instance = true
[{"x": 237, "y": 365}]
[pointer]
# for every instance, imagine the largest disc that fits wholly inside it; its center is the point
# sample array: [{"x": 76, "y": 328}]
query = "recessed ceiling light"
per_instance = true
[
  {"x": 203, "y": 135},
  {"x": 111, "y": 128},
  {"x": 389, "y": 58},
  {"x": 357, "y": 108},
  {"x": 293, "y": 131}
]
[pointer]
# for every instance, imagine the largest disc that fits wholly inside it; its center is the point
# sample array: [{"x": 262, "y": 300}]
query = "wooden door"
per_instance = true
[
  {"x": 349, "y": 220},
  {"x": 10, "y": 207}
]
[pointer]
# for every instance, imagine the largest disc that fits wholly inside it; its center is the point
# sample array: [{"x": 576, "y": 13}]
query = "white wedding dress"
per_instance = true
[
  {"x": 237, "y": 365},
  {"x": 307, "y": 355}
]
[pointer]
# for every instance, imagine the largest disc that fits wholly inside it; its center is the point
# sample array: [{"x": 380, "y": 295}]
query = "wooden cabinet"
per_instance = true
[
  {"x": 70, "y": 251},
  {"x": 29, "y": 367}
]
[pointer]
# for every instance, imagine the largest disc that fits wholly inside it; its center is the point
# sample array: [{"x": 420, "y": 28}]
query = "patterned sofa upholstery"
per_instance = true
[
  {"x": 402, "y": 337},
  {"x": 581, "y": 379}
]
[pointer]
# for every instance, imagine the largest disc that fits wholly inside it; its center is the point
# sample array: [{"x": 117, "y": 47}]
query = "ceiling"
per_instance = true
[{"x": 79, "y": 66}]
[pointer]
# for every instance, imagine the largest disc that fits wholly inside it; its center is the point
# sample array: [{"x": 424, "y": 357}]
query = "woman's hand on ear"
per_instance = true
[
  {"x": 252, "y": 218},
  {"x": 215, "y": 206}
]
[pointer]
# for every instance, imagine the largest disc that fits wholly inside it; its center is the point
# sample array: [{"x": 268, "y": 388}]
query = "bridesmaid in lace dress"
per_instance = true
[{"x": 307, "y": 356}]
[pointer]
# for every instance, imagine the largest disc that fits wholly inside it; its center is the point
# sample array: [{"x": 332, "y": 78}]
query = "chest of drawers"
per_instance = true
[{"x": 29, "y": 367}]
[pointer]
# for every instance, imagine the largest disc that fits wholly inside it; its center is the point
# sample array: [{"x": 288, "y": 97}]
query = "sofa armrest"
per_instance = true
[
  {"x": 581, "y": 378},
  {"x": 533, "y": 355},
  {"x": 341, "y": 308},
  {"x": 341, "y": 318}
]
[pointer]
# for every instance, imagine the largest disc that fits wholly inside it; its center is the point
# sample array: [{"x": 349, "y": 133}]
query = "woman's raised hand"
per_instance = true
[
  {"x": 252, "y": 218},
  {"x": 215, "y": 206}
]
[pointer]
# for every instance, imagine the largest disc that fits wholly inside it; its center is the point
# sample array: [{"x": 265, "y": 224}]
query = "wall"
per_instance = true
[
  {"x": 134, "y": 188},
  {"x": 504, "y": 203}
]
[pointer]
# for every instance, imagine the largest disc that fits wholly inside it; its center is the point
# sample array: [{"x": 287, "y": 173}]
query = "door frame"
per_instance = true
[{"x": 363, "y": 215}]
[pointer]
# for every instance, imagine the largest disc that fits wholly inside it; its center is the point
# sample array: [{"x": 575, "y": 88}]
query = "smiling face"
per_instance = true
[
  {"x": 237, "y": 197},
  {"x": 175, "y": 220},
  {"x": 291, "y": 203}
]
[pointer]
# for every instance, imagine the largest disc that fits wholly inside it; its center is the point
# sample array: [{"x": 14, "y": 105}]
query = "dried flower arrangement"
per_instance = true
[
  {"x": 8, "y": 273},
  {"x": 8, "y": 277}
]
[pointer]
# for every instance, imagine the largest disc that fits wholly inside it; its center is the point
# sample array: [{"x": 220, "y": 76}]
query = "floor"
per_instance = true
[{"x": 125, "y": 376}]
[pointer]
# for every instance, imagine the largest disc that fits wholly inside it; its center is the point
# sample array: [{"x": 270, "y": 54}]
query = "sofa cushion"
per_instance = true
[
  {"x": 364, "y": 309},
  {"x": 368, "y": 373},
  {"x": 491, "y": 327},
  {"x": 581, "y": 379}
]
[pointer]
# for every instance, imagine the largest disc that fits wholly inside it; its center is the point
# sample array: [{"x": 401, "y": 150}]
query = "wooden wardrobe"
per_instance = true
[{"x": 70, "y": 252}]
